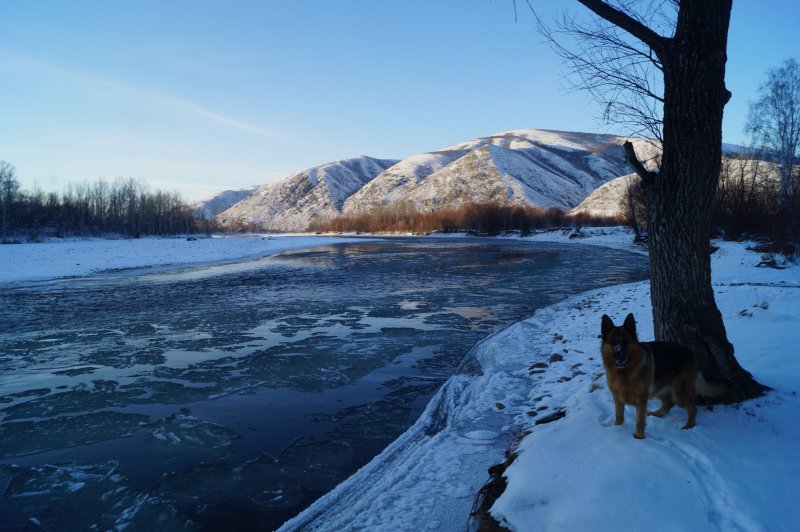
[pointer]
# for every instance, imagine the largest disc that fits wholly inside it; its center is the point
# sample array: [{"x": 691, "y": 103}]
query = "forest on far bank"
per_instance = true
[{"x": 125, "y": 207}]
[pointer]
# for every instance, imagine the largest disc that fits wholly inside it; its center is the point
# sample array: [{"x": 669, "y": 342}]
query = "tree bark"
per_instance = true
[{"x": 681, "y": 194}]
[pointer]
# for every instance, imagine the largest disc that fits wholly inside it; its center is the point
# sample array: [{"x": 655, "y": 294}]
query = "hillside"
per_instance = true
[
  {"x": 534, "y": 167},
  {"x": 606, "y": 200},
  {"x": 211, "y": 206},
  {"x": 292, "y": 202}
]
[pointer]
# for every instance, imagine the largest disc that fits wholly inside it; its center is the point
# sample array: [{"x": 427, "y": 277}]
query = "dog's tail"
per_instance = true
[{"x": 710, "y": 389}]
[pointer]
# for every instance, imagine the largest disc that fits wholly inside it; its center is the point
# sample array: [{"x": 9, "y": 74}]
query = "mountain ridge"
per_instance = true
[
  {"x": 210, "y": 206},
  {"x": 290, "y": 203},
  {"x": 542, "y": 168}
]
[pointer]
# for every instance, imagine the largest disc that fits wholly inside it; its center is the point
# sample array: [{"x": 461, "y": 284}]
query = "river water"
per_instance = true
[{"x": 231, "y": 396}]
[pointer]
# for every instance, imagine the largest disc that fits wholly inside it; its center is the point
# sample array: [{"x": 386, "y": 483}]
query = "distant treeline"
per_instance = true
[
  {"x": 480, "y": 218},
  {"x": 127, "y": 207}
]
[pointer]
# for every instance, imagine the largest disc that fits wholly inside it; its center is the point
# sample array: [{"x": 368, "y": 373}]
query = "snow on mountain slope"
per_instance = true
[
  {"x": 528, "y": 166},
  {"x": 525, "y": 138},
  {"x": 606, "y": 200},
  {"x": 221, "y": 201},
  {"x": 396, "y": 182},
  {"x": 536, "y": 167},
  {"x": 291, "y": 203}
]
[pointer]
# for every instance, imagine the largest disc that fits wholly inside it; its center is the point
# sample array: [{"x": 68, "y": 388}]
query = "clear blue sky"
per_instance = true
[{"x": 200, "y": 96}]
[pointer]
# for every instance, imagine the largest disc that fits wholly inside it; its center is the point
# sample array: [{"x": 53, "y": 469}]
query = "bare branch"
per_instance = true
[
  {"x": 622, "y": 20},
  {"x": 623, "y": 74},
  {"x": 646, "y": 175}
]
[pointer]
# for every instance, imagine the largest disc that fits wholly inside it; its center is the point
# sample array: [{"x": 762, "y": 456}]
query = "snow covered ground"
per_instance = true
[
  {"x": 737, "y": 470},
  {"x": 76, "y": 257}
]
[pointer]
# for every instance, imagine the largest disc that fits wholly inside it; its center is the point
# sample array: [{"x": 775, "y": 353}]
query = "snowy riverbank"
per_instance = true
[
  {"x": 81, "y": 257},
  {"x": 736, "y": 470}
]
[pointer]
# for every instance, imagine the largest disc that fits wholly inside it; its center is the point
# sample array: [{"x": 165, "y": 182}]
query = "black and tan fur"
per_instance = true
[{"x": 637, "y": 371}]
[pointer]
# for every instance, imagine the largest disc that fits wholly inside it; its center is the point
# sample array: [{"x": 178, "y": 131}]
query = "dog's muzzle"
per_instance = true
[{"x": 619, "y": 356}]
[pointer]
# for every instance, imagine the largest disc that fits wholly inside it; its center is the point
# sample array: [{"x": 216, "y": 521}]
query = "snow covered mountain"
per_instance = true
[
  {"x": 291, "y": 203},
  {"x": 535, "y": 167},
  {"x": 527, "y": 167},
  {"x": 211, "y": 206}
]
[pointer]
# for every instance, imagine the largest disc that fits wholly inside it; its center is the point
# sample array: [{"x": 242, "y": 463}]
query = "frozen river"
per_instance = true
[{"x": 233, "y": 395}]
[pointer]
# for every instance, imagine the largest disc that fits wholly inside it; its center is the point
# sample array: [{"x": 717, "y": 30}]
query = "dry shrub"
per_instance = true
[
  {"x": 480, "y": 218},
  {"x": 748, "y": 204}
]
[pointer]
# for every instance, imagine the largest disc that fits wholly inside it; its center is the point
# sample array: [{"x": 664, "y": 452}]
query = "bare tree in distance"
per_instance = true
[
  {"x": 9, "y": 188},
  {"x": 745, "y": 201},
  {"x": 684, "y": 42},
  {"x": 633, "y": 205},
  {"x": 774, "y": 122}
]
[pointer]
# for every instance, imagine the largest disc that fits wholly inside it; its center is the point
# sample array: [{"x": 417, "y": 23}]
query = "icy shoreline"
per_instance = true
[
  {"x": 582, "y": 472},
  {"x": 420, "y": 480},
  {"x": 427, "y": 479}
]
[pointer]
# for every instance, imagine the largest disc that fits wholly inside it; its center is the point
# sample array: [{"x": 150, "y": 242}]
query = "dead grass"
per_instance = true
[{"x": 479, "y": 218}]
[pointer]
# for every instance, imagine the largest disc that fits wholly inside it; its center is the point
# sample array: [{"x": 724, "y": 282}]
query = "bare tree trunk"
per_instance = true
[
  {"x": 634, "y": 207},
  {"x": 681, "y": 194}
]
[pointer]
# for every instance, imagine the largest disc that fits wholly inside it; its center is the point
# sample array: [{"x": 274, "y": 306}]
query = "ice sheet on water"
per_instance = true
[
  {"x": 183, "y": 429},
  {"x": 82, "y": 496},
  {"x": 219, "y": 492},
  {"x": 260, "y": 493},
  {"x": 76, "y": 496},
  {"x": 27, "y": 437},
  {"x": 111, "y": 361},
  {"x": 180, "y": 429}
]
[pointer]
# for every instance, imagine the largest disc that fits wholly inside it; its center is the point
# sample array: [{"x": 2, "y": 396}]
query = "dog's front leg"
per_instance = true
[
  {"x": 619, "y": 410},
  {"x": 641, "y": 411}
]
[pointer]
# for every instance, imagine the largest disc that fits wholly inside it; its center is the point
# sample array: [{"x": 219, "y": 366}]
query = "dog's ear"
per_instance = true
[
  {"x": 630, "y": 324},
  {"x": 605, "y": 325}
]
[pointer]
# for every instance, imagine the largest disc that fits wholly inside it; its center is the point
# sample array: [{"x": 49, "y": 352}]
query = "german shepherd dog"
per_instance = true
[{"x": 637, "y": 371}]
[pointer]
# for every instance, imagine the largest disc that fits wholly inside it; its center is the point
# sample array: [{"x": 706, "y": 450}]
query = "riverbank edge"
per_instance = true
[{"x": 447, "y": 406}]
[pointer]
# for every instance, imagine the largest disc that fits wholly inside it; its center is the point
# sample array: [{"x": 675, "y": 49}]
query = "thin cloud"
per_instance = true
[{"x": 144, "y": 97}]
